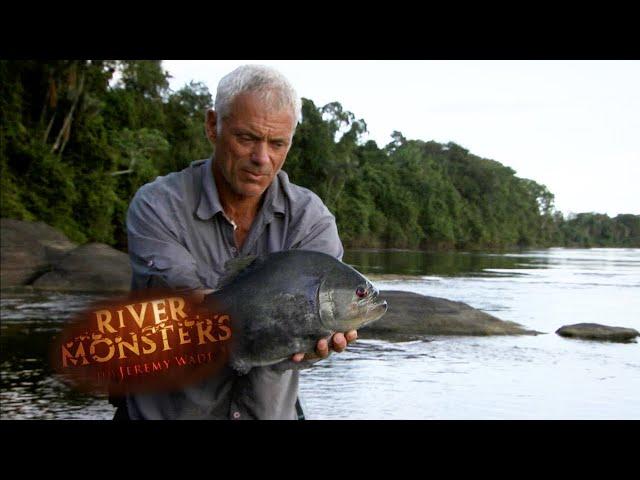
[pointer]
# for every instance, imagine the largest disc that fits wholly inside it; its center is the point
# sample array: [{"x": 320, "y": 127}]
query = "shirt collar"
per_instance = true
[
  {"x": 274, "y": 199},
  {"x": 209, "y": 204}
]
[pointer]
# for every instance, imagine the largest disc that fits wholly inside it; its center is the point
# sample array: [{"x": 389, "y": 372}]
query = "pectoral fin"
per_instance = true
[
  {"x": 291, "y": 365},
  {"x": 233, "y": 268}
]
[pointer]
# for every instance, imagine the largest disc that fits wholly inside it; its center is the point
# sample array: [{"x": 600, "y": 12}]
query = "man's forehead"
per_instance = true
[
  {"x": 249, "y": 106},
  {"x": 274, "y": 122}
]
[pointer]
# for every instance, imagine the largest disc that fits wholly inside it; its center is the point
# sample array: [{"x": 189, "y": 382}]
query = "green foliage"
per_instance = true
[
  {"x": 597, "y": 230},
  {"x": 76, "y": 145},
  {"x": 416, "y": 194}
]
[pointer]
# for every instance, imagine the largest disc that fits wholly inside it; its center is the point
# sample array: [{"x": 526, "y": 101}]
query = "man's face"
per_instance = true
[{"x": 252, "y": 145}]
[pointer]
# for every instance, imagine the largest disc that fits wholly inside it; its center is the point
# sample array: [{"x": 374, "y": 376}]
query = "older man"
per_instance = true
[{"x": 183, "y": 227}]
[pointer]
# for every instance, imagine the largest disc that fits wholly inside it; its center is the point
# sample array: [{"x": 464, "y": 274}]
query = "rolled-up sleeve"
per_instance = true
[{"x": 158, "y": 259}]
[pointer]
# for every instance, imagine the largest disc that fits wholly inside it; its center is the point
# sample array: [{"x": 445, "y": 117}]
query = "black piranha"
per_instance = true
[{"x": 284, "y": 302}]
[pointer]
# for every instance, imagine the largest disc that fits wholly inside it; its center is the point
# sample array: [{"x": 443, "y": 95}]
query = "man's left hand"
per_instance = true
[{"x": 339, "y": 342}]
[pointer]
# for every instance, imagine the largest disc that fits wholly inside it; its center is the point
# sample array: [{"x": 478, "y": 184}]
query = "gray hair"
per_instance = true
[{"x": 271, "y": 86}]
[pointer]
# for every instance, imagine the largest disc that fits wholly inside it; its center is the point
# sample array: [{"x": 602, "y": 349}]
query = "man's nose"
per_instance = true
[{"x": 260, "y": 153}]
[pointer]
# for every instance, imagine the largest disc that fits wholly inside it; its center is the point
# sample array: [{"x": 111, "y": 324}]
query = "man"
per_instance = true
[{"x": 183, "y": 227}]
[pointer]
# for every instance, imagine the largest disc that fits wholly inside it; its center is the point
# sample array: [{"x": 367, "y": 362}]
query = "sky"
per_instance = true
[{"x": 573, "y": 126}]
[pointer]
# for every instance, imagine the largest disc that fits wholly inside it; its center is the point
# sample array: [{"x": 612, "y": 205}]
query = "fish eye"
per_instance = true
[{"x": 361, "y": 292}]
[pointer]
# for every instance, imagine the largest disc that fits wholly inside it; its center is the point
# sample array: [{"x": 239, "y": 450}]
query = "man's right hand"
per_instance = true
[{"x": 339, "y": 342}]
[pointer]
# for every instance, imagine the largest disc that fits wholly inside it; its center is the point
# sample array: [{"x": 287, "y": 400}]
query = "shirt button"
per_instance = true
[
  {"x": 236, "y": 415},
  {"x": 234, "y": 250}
]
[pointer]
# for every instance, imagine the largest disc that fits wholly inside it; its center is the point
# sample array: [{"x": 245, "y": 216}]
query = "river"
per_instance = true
[{"x": 511, "y": 377}]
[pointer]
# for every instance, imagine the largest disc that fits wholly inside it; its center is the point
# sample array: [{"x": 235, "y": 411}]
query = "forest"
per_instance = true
[{"x": 79, "y": 137}]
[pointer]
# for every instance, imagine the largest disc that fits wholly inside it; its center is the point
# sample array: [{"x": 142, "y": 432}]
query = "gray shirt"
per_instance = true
[{"x": 179, "y": 237}]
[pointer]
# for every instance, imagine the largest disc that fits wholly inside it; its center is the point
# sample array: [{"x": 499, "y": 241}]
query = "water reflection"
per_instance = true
[
  {"x": 435, "y": 263},
  {"x": 28, "y": 388},
  {"x": 597, "y": 261}
]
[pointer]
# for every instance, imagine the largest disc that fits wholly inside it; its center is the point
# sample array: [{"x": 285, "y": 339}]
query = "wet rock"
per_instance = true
[
  {"x": 413, "y": 314},
  {"x": 27, "y": 249},
  {"x": 93, "y": 267},
  {"x": 595, "y": 331}
]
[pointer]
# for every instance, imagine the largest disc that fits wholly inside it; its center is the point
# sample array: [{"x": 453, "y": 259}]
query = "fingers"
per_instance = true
[
  {"x": 339, "y": 342},
  {"x": 322, "y": 348},
  {"x": 297, "y": 357}
]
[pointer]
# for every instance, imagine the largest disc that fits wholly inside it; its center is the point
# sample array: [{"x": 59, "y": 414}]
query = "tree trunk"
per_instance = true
[
  {"x": 66, "y": 126},
  {"x": 48, "y": 130}
]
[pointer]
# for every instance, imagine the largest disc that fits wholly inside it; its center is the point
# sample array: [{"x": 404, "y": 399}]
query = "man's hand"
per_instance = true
[{"x": 339, "y": 342}]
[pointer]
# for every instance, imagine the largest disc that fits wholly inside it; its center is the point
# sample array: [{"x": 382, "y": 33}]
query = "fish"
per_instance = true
[{"x": 282, "y": 303}]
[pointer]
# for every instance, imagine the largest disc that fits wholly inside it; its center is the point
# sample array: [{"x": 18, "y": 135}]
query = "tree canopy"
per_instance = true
[{"x": 80, "y": 137}]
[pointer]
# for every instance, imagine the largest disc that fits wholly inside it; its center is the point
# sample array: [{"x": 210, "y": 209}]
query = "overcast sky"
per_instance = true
[{"x": 571, "y": 125}]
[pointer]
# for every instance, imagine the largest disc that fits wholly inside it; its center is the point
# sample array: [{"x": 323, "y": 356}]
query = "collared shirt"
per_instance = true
[{"x": 179, "y": 237}]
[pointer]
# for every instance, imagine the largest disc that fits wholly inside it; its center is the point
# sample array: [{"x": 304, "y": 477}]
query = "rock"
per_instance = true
[
  {"x": 93, "y": 267},
  {"x": 36, "y": 254},
  {"x": 594, "y": 331},
  {"x": 412, "y": 314},
  {"x": 27, "y": 249}
]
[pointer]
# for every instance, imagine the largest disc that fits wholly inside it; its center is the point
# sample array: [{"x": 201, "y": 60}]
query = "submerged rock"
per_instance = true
[
  {"x": 414, "y": 314},
  {"x": 93, "y": 267},
  {"x": 595, "y": 331},
  {"x": 27, "y": 249}
]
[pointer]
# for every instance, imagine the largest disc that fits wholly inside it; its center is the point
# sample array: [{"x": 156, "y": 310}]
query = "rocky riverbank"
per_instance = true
[{"x": 37, "y": 255}]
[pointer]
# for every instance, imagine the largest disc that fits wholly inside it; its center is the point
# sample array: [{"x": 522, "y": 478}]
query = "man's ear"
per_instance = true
[{"x": 211, "y": 124}]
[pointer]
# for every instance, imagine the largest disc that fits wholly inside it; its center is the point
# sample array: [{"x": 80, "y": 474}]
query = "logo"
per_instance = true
[{"x": 149, "y": 341}]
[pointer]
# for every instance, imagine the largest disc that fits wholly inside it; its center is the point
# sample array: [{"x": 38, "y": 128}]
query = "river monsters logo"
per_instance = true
[{"x": 151, "y": 341}]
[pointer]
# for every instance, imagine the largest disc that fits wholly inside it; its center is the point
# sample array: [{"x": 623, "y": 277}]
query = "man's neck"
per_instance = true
[{"x": 240, "y": 208}]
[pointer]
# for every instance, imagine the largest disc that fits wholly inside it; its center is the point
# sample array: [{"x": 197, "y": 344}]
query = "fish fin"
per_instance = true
[
  {"x": 232, "y": 268},
  {"x": 289, "y": 364}
]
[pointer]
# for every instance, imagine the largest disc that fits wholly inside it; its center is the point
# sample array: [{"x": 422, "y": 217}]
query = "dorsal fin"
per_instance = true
[{"x": 233, "y": 268}]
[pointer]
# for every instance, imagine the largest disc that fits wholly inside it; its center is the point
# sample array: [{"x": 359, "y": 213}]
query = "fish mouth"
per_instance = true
[
  {"x": 380, "y": 308},
  {"x": 375, "y": 302},
  {"x": 376, "y": 308}
]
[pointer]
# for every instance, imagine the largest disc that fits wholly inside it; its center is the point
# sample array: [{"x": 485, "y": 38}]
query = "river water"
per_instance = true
[{"x": 510, "y": 377}]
